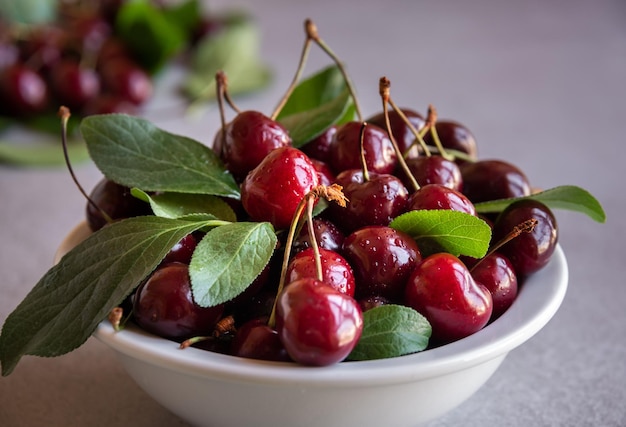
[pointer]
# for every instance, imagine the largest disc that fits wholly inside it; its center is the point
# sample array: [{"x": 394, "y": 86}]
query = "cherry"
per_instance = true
[
  {"x": 496, "y": 273},
  {"x": 436, "y": 196},
  {"x": 433, "y": 170},
  {"x": 23, "y": 92},
  {"x": 382, "y": 259},
  {"x": 317, "y": 324},
  {"x": 43, "y": 47},
  {"x": 164, "y": 305},
  {"x": 345, "y": 149},
  {"x": 116, "y": 201},
  {"x": 327, "y": 235},
  {"x": 319, "y": 147},
  {"x": 273, "y": 190},
  {"x": 530, "y": 251},
  {"x": 399, "y": 128},
  {"x": 336, "y": 271},
  {"x": 124, "y": 78},
  {"x": 73, "y": 84},
  {"x": 248, "y": 139},
  {"x": 455, "y": 136},
  {"x": 256, "y": 340},
  {"x": 375, "y": 201},
  {"x": 442, "y": 289},
  {"x": 325, "y": 175},
  {"x": 372, "y": 302},
  {"x": 107, "y": 103},
  {"x": 182, "y": 251},
  {"x": 493, "y": 179}
]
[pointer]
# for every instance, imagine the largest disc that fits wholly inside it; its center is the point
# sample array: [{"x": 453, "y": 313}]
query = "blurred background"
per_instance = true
[{"x": 540, "y": 84}]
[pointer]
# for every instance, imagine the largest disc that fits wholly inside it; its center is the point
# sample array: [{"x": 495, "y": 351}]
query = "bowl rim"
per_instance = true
[{"x": 538, "y": 300}]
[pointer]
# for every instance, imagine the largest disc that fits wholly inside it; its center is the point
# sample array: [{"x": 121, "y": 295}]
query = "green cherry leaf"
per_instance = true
[
  {"x": 42, "y": 154},
  {"x": 391, "y": 331},
  {"x": 133, "y": 152},
  {"x": 569, "y": 197},
  {"x": 178, "y": 205},
  {"x": 317, "y": 103},
  {"x": 450, "y": 231},
  {"x": 228, "y": 259},
  {"x": 74, "y": 296}
]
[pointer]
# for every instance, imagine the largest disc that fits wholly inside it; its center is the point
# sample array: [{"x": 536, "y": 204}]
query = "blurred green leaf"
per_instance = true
[
  {"x": 28, "y": 11},
  {"x": 44, "y": 154}
]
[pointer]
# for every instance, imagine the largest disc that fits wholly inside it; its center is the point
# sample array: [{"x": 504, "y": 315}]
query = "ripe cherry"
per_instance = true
[
  {"x": 73, "y": 84},
  {"x": 23, "y": 92},
  {"x": 455, "y": 136},
  {"x": 382, "y": 259},
  {"x": 435, "y": 196},
  {"x": 181, "y": 251},
  {"x": 442, "y": 289},
  {"x": 164, "y": 305},
  {"x": 126, "y": 79},
  {"x": 531, "y": 251},
  {"x": 248, "y": 139},
  {"x": 256, "y": 340},
  {"x": 433, "y": 170},
  {"x": 116, "y": 201},
  {"x": 317, "y": 324},
  {"x": 496, "y": 273},
  {"x": 345, "y": 149},
  {"x": 327, "y": 235},
  {"x": 493, "y": 179},
  {"x": 336, "y": 271},
  {"x": 273, "y": 190},
  {"x": 319, "y": 147},
  {"x": 399, "y": 128}
]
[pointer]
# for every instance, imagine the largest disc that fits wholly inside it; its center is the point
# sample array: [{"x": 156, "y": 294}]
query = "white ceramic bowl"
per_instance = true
[{"x": 209, "y": 389}]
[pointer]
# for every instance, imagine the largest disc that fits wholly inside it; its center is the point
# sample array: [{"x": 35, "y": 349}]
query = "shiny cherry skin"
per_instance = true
[
  {"x": 399, "y": 129},
  {"x": 327, "y": 235},
  {"x": 164, "y": 305},
  {"x": 489, "y": 179},
  {"x": 248, "y": 139},
  {"x": 455, "y": 136},
  {"x": 272, "y": 191},
  {"x": 325, "y": 174},
  {"x": 23, "y": 92},
  {"x": 528, "y": 252},
  {"x": 317, "y": 324},
  {"x": 436, "y": 196},
  {"x": 319, "y": 147},
  {"x": 373, "y": 202},
  {"x": 345, "y": 149},
  {"x": 74, "y": 85},
  {"x": 496, "y": 273},
  {"x": 433, "y": 170},
  {"x": 382, "y": 259},
  {"x": 442, "y": 289},
  {"x": 256, "y": 340},
  {"x": 336, "y": 271},
  {"x": 182, "y": 251},
  {"x": 116, "y": 201},
  {"x": 126, "y": 79},
  {"x": 372, "y": 302}
]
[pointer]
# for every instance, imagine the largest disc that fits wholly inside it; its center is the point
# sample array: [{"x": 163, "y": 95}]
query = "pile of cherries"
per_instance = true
[
  {"x": 79, "y": 62},
  {"x": 290, "y": 312}
]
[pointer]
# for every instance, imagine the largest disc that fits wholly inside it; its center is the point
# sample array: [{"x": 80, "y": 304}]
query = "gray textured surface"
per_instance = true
[{"x": 540, "y": 83}]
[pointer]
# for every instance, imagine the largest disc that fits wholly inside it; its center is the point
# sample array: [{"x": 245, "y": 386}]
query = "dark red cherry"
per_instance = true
[
  {"x": 43, "y": 47},
  {"x": 124, "y": 78},
  {"x": 435, "y": 196},
  {"x": 256, "y": 340},
  {"x": 374, "y": 301},
  {"x": 72, "y": 84},
  {"x": 116, "y": 201},
  {"x": 442, "y": 289},
  {"x": 249, "y": 138},
  {"x": 433, "y": 170},
  {"x": 273, "y": 190},
  {"x": 382, "y": 259},
  {"x": 23, "y": 92},
  {"x": 317, "y": 324},
  {"x": 528, "y": 252},
  {"x": 399, "y": 129},
  {"x": 319, "y": 147},
  {"x": 373, "y": 202},
  {"x": 325, "y": 175},
  {"x": 336, "y": 271},
  {"x": 493, "y": 179},
  {"x": 327, "y": 235},
  {"x": 496, "y": 273},
  {"x": 182, "y": 251},
  {"x": 164, "y": 305},
  {"x": 345, "y": 149},
  {"x": 106, "y": 103},
  {"x": 455, "y": 136}
]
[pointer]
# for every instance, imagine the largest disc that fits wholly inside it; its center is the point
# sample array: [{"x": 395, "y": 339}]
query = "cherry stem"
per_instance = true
[
  {"x": 384, "y": 89},
  {"x": 431, "y": 120},
  {"x": 65, "y": 114},
  {"x": 524, "y": 227},
  {"x": 366, "y": 174},
  {"x": 313, "y": 34},
  {"x": 313, "y": 239},
  {"x": 222, "y": 81},
  {"x": 194, "y": 340},
  {"x": 419, "y": 135},
  {"x": 331, "y": 193},
  {"x": 303, "y": 58}
]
